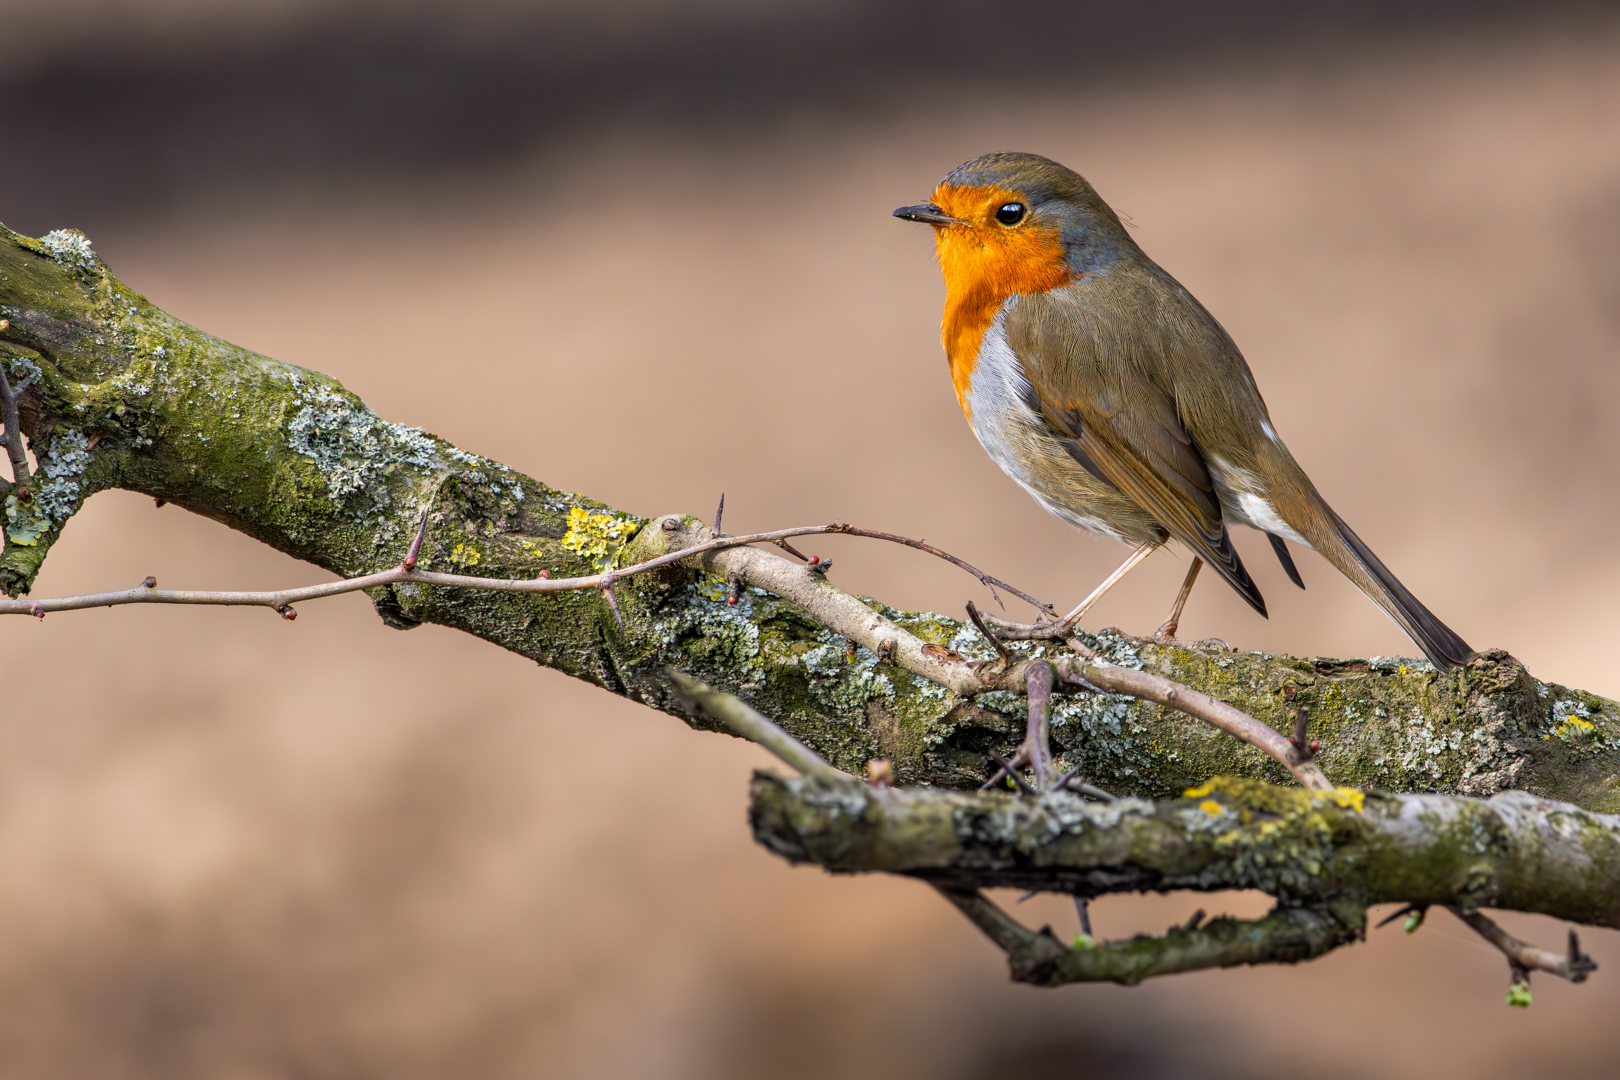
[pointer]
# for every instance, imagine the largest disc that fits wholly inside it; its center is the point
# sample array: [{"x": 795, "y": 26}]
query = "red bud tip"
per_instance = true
[
  {"x": 815, "y": 560},
  {"x": 1315, "y": 745},
  {"x": 732, "y": 600},
  {"x": 410, "y": 562},
  {"x": 545, "y": 574},
  {"x": 39, "y": 613},
  {"x": 150, "y": 582}
]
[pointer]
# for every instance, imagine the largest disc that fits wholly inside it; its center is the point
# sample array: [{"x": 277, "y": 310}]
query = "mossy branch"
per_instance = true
[
  {"x": 120, "y": 394},
  {"x": 1325, "y": 856}
]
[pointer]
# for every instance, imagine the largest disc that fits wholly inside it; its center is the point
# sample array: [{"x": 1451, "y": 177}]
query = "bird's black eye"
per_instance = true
[{"x": 1010, "y": 213}]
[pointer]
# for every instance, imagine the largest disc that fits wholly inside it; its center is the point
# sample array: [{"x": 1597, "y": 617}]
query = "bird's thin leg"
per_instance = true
[
  {"x": 1167, "y": 632},
  {"x": 1073, "y": 618}
]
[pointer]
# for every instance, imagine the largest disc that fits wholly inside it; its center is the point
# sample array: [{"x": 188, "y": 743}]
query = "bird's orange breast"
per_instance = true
[{"x": 985, "y": 262}]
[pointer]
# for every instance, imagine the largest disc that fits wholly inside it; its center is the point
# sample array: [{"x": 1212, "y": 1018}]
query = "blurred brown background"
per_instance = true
[{"x": 642, "y": 251}]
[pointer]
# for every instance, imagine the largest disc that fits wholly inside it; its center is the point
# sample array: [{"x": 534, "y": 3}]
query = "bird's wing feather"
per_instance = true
[{"x": 1124, "y": 426}]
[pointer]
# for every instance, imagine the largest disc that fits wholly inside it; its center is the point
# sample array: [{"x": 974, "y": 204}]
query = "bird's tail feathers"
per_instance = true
[{"x": 1355, "y": 560}]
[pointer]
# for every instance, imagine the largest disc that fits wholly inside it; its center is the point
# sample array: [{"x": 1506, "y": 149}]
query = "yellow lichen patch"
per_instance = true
[
  {"x": 597, "y": 536},
  {"x": 1574, "y": 727},
  {"x": 1347, "y": 798},
  {"x": 1243, "y": 795},
  {"x": 1211, "y": 807},
  {"x": 464, "y": 554}
]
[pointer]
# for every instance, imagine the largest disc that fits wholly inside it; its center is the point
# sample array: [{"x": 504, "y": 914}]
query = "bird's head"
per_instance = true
[{"x": 1018, "y": 223}]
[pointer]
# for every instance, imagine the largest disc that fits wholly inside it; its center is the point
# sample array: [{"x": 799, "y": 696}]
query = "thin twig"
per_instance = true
[
  {"x": 791, "y": 550},
  {"x": 1305, "y": 748},
  {"x": 1004, "y": 768},
  {"x": 1017, "y": 631},
  {"x": 1524, "y": 958},
  {"x": 401, "y": 575},
  {"x": 1007, "y": 658},
  {"x": 13, "y": 426},
  {"x": 1011, "y": 771},
  {"x": 1038, "y": 688},
  {"x": 1235, "y": 722},
  {"x": 984, "y": 578},
  {"x": 1074, "y": 782},
  {"x": 1404, "y": 909},
  {"x": 753, "y": 726},
  {"x": 719, "y": 512}
]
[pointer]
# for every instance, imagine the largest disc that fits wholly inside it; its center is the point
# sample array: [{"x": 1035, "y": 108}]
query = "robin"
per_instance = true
[{"x": 1105, "y": 389}]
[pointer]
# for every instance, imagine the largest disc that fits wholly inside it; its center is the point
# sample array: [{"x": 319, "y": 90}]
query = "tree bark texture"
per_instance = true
[
  {"x": 1324, "y": 855},
  {"x": 114, "y": 393}
]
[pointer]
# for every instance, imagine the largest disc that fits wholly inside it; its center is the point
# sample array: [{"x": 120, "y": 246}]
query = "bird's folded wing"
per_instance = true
[{"x": 1125, "y": 429}]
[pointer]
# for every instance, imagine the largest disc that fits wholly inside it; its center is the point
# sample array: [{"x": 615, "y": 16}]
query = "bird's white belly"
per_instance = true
[{"x": 1010, "y": 431}]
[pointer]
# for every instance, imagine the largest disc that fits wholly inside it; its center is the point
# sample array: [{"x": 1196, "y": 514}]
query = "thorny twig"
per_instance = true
[
  {"x": 403, "y": 574},
  {"x": 1523, "y": 958},
  {"x": 892, "y": 643},
  {"x": 988, "y": 581}
]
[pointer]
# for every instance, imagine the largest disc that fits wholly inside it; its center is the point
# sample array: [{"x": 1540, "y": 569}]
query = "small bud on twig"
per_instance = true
[
  {"x": 150, "y": 582},
  {"x": 884, "y": 650},
  {"x": 879, "y": 773},
  {"x": 415, "y": 549}
]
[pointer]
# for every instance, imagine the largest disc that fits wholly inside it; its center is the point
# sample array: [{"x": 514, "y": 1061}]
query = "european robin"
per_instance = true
[{"x": 1105, "y": 389}]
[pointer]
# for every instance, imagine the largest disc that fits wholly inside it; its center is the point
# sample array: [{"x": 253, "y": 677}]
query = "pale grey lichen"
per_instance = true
[
  {"x": 354, "y": 449},
  {"x": 58, "y": 496},
  {"x": 25, "y": 368},
  {"x": 70, "y": 248}
]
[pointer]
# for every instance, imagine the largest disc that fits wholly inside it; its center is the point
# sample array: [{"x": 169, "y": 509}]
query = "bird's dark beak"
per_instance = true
[{"x": 928, "y": 214}]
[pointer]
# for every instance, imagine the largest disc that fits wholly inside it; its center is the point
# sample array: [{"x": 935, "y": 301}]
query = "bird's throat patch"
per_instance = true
[{"x": 984, "y": 262}]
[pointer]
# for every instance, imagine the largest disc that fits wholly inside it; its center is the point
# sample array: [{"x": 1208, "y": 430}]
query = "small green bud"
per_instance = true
[
  {"x": 1082, "y": 941},
  {"x": 1414, "y": 919},
  {"x": 1518, "y": 995}
]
